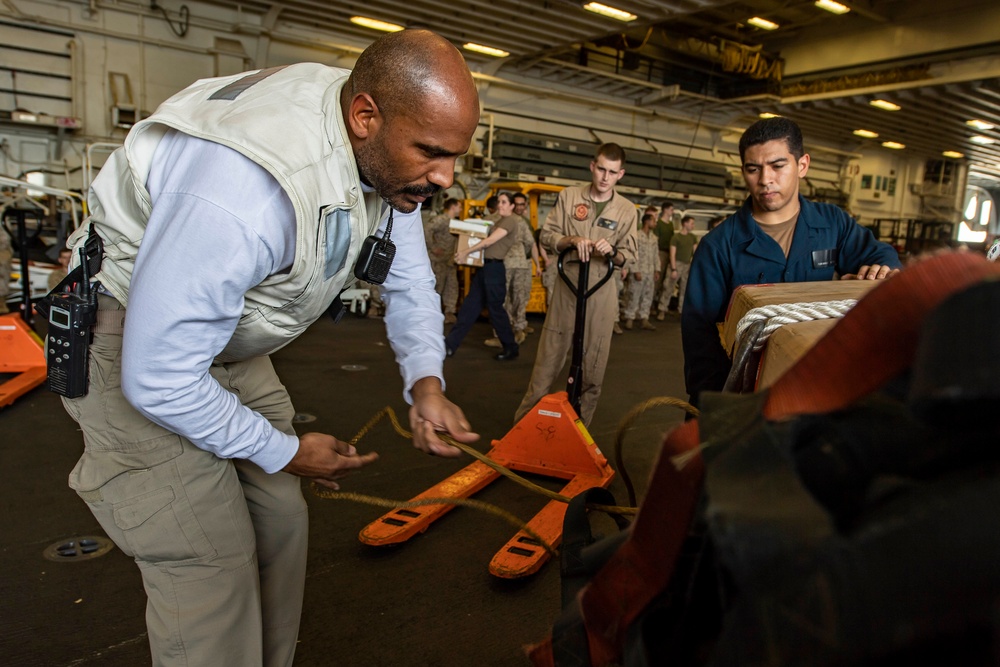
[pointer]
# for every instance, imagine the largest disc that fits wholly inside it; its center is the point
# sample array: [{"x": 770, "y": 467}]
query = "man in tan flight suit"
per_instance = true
[{"x": 601, "y": 225}]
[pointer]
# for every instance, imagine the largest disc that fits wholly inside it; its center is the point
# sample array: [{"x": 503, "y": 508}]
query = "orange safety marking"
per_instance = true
[{"x": 21, "y": 352}]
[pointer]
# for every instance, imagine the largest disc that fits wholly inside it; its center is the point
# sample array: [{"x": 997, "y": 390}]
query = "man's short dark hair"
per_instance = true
[
  {"x": 665, "y": 205},
  {"x": 771, "y": 129},
  {"x": 611, "y": 152},
  {"x": 492, "y": 201},
  {"x": 649, "y": 217},
  {"x": 520, "y": 195},
  {"x": 686, "y": 218}
]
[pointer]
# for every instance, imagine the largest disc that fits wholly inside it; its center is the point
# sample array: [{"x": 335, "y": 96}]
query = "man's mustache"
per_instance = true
[{"x": 428, "y": 190}]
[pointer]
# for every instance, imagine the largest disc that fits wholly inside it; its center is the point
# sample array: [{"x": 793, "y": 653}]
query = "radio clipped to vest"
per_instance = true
[
  {"x": 72, "y": 313},
  {"x": 375, "y": 258}
]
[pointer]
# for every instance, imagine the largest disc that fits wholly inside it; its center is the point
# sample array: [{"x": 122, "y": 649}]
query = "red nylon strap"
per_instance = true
[
  {"x": 875, "y": 340},
  {"x": 643, "y": 565}
]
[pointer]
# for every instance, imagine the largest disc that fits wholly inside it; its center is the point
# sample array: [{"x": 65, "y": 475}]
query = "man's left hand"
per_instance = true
[
  {"x": 873, "y": 272},
  {"x": 432, "y": 413},
  {"x": 604, "y": 247}
]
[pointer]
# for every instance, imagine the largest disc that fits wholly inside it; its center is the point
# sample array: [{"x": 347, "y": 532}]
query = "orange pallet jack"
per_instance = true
[
  {"x": 21, "y": 353},
  {"x": 550, "y": 440},
  {"x": 21, "y": 350}
]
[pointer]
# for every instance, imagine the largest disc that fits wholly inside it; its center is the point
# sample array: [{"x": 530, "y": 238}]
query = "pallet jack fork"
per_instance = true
[
  {"x": 21, "y": 354},
  {"x": 550, "y": 440}
]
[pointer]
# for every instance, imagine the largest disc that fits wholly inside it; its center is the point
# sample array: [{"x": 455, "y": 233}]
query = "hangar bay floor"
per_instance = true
[{"x": 430, "y": 601}]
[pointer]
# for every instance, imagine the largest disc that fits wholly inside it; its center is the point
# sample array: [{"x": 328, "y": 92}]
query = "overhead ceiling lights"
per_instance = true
[
  {"x": 488, "y": 50},
  {"x": 894, "y": 145},
  {"x": 953, "y": 154},
  {"x": 833, "y": 7},
  {"x": 763, "y": 24},
  {"x": 980, "y": 125},
  {"x": 867, "y": 134},
  {"x": 885, "y": 105},
  {"x": 980, "y": 139},
  {"x": 768, "y": 114},
  {"x": 375, "y": 24},
  {"x": 610, "y": 12}
]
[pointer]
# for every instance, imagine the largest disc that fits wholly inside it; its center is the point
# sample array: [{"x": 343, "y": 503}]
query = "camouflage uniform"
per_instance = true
[
  {"x": 642, "y": 280},
  {"x": 6, "y": 257},
  {"x": 517, "y": 264},
  {"x": 441, "y": 250}
]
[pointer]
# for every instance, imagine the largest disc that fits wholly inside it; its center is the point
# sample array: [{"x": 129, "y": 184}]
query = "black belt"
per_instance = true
[{"x": 487, "y": 261}]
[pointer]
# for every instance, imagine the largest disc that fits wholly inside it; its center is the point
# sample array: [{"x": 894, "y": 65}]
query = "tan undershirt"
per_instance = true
[{"x": 782, "y": 232}]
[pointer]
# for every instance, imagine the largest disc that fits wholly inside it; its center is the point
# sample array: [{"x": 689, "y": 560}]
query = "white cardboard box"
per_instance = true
[{"x": 469, "y": 232}]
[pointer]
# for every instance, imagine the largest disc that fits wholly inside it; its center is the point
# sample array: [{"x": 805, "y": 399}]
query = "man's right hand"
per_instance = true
[{"x": 325, "y": 459}]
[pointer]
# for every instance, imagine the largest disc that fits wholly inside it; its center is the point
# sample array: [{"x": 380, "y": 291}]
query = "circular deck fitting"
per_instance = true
[
  {"x": 353, "y": 367},
  {"x": 303, "y": 418},
  {"x": 78, "y": 549}
]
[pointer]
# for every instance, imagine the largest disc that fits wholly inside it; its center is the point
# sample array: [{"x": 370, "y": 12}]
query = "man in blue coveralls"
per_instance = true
[{"x": 777, "y": 236}]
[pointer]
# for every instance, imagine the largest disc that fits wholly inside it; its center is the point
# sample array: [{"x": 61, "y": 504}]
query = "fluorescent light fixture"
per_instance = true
[
  {"x": 488, "y": 50},
  {"x": 884, "y": 105},
  {"x": 35, "y": 178},
  {"x": 980, "y": 125},
  {"x": 768, "y": 114},
  {"x": 610, "y": 12},
  {"x": 966, "y": 235},
  {"x": 981, "y": 140},
  {"x": 763, "y": 24},
  {"x": 953, "y": 154},
  {"x": 867, "y": 134},
  {"x": 375, "y": 24},
  {"x": 832, "y": 7},
  {"x": 894, "y": 145}
]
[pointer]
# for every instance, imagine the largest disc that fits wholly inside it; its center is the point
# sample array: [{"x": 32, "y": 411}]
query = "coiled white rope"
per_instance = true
[{"x": 778, "y": 315}]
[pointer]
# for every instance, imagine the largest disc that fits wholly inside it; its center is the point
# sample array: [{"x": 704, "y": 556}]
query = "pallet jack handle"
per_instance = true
[
  {"x": 575, "y": 379},
  {"x": 21, "y": 227}
]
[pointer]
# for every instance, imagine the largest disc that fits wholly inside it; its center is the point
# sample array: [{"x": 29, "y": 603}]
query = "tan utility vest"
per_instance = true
[{"x": 288, "y": 120}]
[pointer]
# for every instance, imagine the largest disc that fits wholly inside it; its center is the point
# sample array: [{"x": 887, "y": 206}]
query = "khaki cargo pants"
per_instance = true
[{"x": 221, "y": 545}]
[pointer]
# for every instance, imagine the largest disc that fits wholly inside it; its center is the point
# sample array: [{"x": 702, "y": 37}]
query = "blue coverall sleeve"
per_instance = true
[
  {"x": 706, "y": 363},
  {"x": 858, "y": 247}
]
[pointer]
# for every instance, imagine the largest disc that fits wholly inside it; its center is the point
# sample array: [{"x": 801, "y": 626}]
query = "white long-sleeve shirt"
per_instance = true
[{"x": 220, "y": 225}]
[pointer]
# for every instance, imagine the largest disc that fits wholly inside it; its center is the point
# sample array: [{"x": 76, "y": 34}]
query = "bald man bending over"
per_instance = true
[{"x": 231, "y": 220}]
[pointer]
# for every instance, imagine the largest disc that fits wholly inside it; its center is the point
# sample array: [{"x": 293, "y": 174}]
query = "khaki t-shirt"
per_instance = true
[
  {"x": 500, "y": 248},
  {"x": 782, "y": 232}
]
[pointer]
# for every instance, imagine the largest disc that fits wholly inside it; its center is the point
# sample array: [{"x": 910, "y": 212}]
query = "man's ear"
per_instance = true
[
  {"x": 803, "y": 164},
  {"x": 363, "y": 117}
]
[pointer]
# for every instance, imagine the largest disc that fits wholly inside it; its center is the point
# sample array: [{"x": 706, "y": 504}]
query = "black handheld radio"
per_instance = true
[
  {"x": 67, "y": 347},
  {"x": 375, "y": 258}
]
